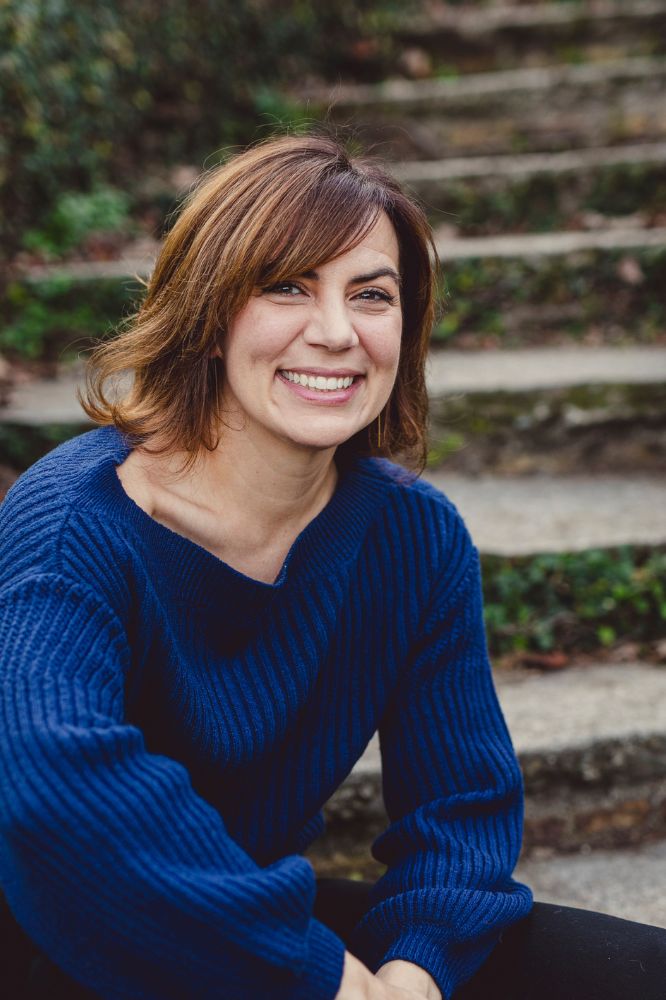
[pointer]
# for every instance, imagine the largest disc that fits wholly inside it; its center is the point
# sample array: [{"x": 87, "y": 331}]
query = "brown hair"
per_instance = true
[{"x": 283, "y": 207}]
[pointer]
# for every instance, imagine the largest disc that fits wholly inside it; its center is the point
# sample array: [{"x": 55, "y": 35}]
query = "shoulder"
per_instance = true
[
  {"x": 408, "y": 490},
  {"x": 417, "y": 513},
  {"x": 63, "y": 487}
]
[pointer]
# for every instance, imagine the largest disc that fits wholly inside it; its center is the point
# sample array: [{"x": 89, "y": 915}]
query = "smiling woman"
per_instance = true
[{"x": 210, "y": 603}]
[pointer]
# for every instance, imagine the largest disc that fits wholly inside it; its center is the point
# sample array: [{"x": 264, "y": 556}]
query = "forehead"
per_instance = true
[
  {"x": 379, "y": 246},
  {"x": 382, "y": 238}
]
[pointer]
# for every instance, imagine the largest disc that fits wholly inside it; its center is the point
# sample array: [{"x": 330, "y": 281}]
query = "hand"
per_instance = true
[
  {"x": 358, "y": 983},
  {"x": 400, "y": 993},
  {"x": 411, "y": 977}
]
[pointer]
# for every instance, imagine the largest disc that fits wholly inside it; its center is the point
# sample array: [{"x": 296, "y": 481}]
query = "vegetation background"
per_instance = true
[{"x": 97, "y": 95}]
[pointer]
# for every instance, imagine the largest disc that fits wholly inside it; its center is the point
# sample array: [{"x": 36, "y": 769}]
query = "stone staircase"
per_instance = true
[
  {"x": 503, "y": 35},
  {"x": 535, "y": 135},
  {"x": 592, "y": 744}
]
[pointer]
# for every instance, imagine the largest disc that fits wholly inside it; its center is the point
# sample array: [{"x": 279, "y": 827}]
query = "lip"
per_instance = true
[{"x": 332, "y": 397}]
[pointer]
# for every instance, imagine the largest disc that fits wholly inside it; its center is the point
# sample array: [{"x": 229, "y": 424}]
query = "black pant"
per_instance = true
[{"x": 555, "y": 953}]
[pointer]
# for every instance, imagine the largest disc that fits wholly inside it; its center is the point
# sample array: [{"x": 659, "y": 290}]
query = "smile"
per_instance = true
[{"x": 318, "y": 382}]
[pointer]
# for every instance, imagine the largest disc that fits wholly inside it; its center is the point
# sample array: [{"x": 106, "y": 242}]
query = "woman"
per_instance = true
[{"x": 212, "y": 601}]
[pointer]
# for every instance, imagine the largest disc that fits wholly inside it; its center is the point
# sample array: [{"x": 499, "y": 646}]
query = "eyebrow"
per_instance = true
[{"x": 361, "y": 279}]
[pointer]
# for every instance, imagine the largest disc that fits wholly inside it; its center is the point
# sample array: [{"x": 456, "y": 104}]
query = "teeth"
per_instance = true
[{"x": 319, "y": 382}]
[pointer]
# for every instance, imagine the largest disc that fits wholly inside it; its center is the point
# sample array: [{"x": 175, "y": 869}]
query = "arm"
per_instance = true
[
  {"x": 453, "y": 794},
  {"x": 124, "y": 876}
]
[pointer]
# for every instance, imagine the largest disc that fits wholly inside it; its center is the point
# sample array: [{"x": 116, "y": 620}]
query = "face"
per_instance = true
[{"x": 312, "y": 360}]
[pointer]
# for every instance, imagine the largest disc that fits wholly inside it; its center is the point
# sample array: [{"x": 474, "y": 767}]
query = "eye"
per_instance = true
[
  {"x": 286, "y": 288},
  {"x": 377, "y": 295}
]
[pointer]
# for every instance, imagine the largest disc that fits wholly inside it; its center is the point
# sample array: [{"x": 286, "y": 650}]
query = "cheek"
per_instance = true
[
  {"x": 383, "y": 345},
  {"x": 259, "y": 336}
]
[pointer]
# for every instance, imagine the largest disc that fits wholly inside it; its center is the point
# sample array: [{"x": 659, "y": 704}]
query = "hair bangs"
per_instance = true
[{"x": 328, "y": 221}]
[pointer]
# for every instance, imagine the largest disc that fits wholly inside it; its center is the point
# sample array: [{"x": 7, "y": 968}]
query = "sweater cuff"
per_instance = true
[
  {"x": 429, "y": 949},
  {"x": 321, "y": 978}
]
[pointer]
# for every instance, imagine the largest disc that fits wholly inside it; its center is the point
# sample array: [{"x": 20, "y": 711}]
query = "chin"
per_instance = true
[
  {"x": 321, "y": 441},
  {"x": 319, "y": 438}
]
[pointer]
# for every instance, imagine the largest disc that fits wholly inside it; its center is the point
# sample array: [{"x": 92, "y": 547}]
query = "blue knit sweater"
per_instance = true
[{"x": 171, "y": 729}]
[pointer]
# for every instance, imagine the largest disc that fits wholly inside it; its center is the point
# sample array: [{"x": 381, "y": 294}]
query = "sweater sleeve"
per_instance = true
[
  {"x": 112, "y": 864},
  {"x": 453, "y": 794}
]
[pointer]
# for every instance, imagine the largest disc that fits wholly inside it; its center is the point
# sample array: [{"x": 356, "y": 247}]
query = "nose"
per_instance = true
[{"x": 331, "y": 326}]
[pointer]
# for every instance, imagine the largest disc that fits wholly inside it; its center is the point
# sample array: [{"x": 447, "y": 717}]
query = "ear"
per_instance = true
[{"x": 215, "y": 351}]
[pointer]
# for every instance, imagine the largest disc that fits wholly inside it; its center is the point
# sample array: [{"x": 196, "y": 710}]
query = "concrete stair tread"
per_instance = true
[
  {"x": 46, "y": 400},
  {"x": 527, "y": 164},
  {"x": 491, "y": 17},
  {"x": 550, "y": 244},
  {"x": 533, "y": 514},
  {"x": 136, "y": 261},
  {"x": 626, "y": 883},
  {"x": 583, "y": 705},
  {"x": 472, "y": 86},
  {"x": 553, "y": 244},
  {"x": 543, "y": 368},
  {"x": 570, "y": 710},
  {"x": 556, "y": 513},
  {"x": 53, "y": 400}
]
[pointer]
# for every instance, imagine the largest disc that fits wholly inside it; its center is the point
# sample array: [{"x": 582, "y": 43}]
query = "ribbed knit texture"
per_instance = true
[{"x": 171, "y": 729}]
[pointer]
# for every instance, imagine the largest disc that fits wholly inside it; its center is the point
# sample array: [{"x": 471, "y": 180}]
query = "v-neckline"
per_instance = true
[{"x": 328, "y": 538}]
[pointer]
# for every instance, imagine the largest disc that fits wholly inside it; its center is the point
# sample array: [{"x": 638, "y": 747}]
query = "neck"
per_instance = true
[
  {"x": 274, "y": 488},
  {"x": 264, "y": 488}
]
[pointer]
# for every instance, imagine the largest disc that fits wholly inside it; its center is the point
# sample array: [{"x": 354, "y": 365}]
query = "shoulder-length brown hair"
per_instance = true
[{"x": 283, "y": 207}]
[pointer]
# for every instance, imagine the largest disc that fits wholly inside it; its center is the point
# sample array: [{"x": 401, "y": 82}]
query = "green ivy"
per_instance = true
[
  {"x": 479, "y": 294},
  {"x": 40, "y": 318},
  {"x": 76, "y": 217},
  {"x": 545, "y": 202},
  {"x": 53, "y": 320},
  {"x": 576, "y": 600},
  {"x": 93, "y": 92}
]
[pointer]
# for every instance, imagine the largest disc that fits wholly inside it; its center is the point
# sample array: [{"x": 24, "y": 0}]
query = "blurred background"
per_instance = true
[{"x": 534, "y": 133}]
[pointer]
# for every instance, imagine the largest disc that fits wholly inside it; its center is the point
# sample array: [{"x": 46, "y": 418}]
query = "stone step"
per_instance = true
[
  {"x": 452, "y": 94},
  {"x": 452, "y": 371},
  {"x": 626, "y": 883},
  {"x": 592, "y": 745},
  {"x": 46, "y": 400},
  {"x": 472, "y": 38},
  {"x": 514, "y": 516},
  {"x": 533, "y": 245},
  {"x": 538, "y": 411},
  {"x": 478, "y": 195},
  {"x": 522, "y": 110},
  {"x": 548, "y": 412},
  {"x": 574, "y": 189},
  {"x": 137, "y": 261},
  {"x": 522, "y": 166},
  {"x": 519, "y": 290},
  {"x": 637, "y": 237},
  {"x": 514, "y": 289},
  {"x": 449, "y": 373},
  {"x": 593, "y": 430}
]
